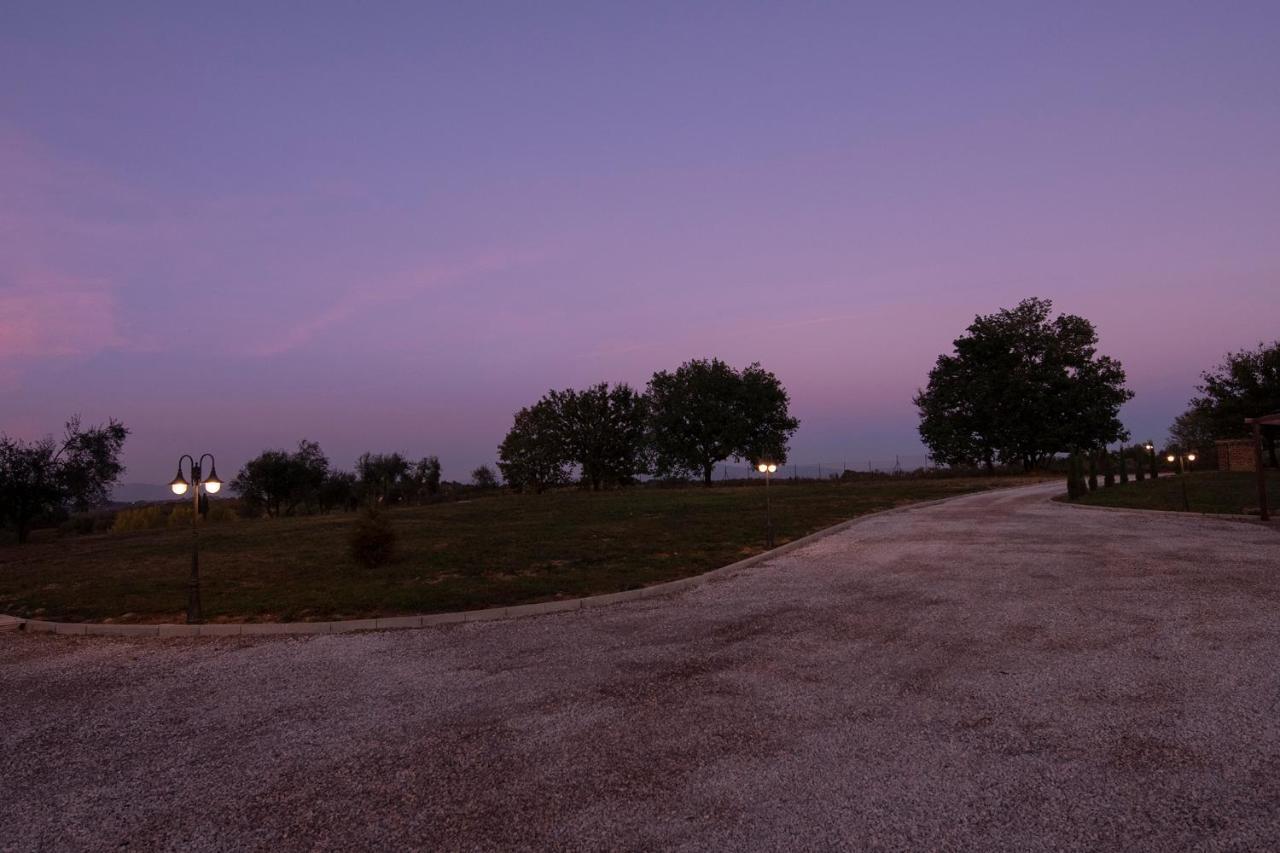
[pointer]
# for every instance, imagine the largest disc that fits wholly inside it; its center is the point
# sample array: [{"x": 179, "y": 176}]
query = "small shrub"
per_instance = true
[
  {"x": 83, "y": 523},
  {"x": 373, "y": 541}
]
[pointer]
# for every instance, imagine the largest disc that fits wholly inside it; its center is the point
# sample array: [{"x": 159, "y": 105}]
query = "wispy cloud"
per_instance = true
[{"x": 400, "y": 288}]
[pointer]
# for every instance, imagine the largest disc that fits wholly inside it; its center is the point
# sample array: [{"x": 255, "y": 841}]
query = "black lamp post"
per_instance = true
[
  {"x": 1184, "y": 460},
  {"x": 768, "y": 469},
  {"x": 1155, "y": 471},
  {"x": 199, "y": 504}
]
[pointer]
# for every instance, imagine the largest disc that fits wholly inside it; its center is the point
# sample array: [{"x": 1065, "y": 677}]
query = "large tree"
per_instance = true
[
  {"x": 1020, "y": 386},
  {"x": 278, "y": 482},
  {"x": 384, "y": 477},
  {"x": 424, "y": 478},
  {"x": 45, "y": 477},
  {"x": 604, "y": 431},
  {"x": 1245, "y": 385},
  {"x": 601, "y": 431},
  {"x": 705, "y": 412},
  {"x": 533, "y": 455}
]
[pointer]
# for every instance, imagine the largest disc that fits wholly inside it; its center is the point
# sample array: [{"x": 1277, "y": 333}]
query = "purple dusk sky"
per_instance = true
[{"x": 388, "y": 226}]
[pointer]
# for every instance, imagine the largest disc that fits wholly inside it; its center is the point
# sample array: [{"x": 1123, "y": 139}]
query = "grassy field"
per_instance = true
[
  {"x": 1233, "y": 492},
  {"x": 495, "y": 551}
]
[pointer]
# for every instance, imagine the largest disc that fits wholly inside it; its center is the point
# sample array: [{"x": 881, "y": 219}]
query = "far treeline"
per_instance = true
[
  {"x": 685, "y": 423},
  {"x": 1020, "y": 388},
  {"x": 280, "y": 483}
]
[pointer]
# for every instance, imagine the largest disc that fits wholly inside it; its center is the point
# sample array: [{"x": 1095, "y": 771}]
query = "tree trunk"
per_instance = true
[
  {"x": 1108, "y": 476},
  {"x": 24, "y": 531},
  {"x": 1124, "y": 467},
  {"x": 707, "y": 471},
  {"x": 1093, "y": 472},
  {"x": 1139, "y": 473}
]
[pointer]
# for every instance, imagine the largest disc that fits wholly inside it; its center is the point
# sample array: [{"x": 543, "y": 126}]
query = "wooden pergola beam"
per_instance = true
[{"x": 1258, "y": 424}]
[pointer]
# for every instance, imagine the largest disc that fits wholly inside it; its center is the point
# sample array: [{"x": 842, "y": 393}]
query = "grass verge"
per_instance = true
[
  {"x": 1226, "y": 492},
  {"x": 490, "y": 552}
]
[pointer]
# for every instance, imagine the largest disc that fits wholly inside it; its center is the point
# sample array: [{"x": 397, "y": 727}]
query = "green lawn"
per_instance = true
[
  {"x": 1234, "y": 492},
  {"x": 494, "y": 551}
]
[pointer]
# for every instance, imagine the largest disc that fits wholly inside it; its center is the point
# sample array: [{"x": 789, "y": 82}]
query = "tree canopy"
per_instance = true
[
  {"x": 278, "y": 482},
  {"x": 1245, "y": 385},
  {"x": 46, "y": 477},
  {"x": 602, "y": 431},
  {"x": 705, "y": 412},
  {"x": 1019, "y": 387},
  {"x": 532, "y": 456},
  {"x": 599, "y": 431}
]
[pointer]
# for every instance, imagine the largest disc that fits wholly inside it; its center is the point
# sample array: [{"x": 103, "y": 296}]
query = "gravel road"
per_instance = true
[{"x": 997, "y": 672}]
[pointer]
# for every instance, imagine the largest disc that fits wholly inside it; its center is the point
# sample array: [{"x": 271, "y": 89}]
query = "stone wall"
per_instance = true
[{"x": 1235, "y": 455}]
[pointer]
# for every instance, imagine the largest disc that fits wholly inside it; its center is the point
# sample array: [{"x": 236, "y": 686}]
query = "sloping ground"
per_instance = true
[
  {"x": 996, "y": 673},
  {"x": 493, "y": 552}
]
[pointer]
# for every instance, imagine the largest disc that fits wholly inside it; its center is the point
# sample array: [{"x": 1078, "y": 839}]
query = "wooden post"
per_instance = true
[{"x": 1262, "y": 472}]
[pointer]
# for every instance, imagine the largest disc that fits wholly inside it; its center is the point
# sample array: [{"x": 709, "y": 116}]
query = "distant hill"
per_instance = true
[{"x": 127, "y": 493}]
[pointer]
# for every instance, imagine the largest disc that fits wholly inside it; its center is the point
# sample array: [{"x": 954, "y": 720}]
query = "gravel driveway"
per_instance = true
[{"x": 997, "y": 672}]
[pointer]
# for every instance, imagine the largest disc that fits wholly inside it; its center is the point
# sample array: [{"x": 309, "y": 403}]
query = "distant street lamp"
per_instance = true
[
  {"x": 768, "y": 469},
  {"x": 1151, "y": 448},
  {"x": 1183, "y": 460},
  {"x": 180, "y": 484}
]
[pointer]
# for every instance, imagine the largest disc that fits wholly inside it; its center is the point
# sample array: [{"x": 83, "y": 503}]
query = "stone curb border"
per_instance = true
[
  {"x": 1224, "y": 516},
  {"x": 247, "y": 629}
]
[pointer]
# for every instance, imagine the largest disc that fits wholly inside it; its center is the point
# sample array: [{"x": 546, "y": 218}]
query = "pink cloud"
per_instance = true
[{"x": 56, "y": 318}]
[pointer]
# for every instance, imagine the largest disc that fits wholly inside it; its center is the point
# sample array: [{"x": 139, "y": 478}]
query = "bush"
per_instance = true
[
  {"x": 158, "y": 516},
  {"x": 143, "y": 518},
  {"x": 373, "y": 541},
  {"x": 83, "y": 523}
]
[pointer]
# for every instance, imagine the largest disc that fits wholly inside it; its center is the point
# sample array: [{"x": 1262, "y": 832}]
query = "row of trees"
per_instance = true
[
  {"x": 51, "y": 477},
  {"x": 1020, "y": 387},
  {"x": 685, "y": 423},
  {"x": 278, "y": 482}
]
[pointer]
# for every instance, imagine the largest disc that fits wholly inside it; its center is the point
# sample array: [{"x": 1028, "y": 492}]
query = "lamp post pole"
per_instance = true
[
  {"x": 180, "y": 484},
  {"x": 1151, "y": 448},
  {"x": 1183, "y": 459},
  {"x": 767, "y": 468}
]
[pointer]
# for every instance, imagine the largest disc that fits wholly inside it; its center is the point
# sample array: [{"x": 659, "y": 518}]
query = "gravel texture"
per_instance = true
[{"x": 994, "y": 673}]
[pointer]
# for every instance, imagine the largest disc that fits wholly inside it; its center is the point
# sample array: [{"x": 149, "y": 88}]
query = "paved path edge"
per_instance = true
[{"x": 246, "y": 629}]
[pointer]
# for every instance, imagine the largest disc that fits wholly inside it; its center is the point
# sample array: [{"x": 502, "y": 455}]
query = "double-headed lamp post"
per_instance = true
[
  {"x": 1151, "y": 448},
  {"x": 180, "y": 485},
  {"x": 1183, "y": 460},
  {"x": 768, "y": 469}
]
